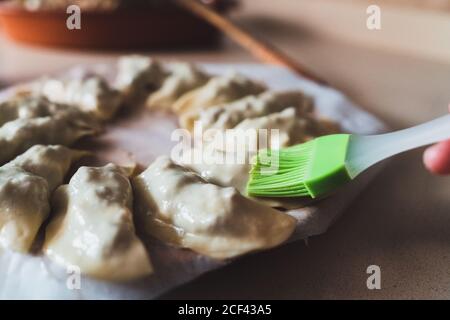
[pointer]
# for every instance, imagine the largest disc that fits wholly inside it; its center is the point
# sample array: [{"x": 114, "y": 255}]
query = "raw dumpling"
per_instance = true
[
  {"x": 93, "y": 227},
  {"x": 183, "y": 77},
  {"x": 216, "y": 91},
  {"x": 26, "y": 184},
  {"x": 25, "y": 106},
  {"x": 23, "y": 208},
  {"x": 292, "y": 129},
  {"x": 62, "y": 128},
  {"x": 138, "y": 75},
  {"x": 178, "y": 207},
  {"x": 227, "y": 116},
  {"x": 92, "y": 95},
  {"x": 48, "y": 162}
]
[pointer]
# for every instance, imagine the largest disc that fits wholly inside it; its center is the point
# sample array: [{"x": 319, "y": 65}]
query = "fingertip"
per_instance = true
[
  {"x": 437, "y": 158},
  {"x": 429, "y": 158}
]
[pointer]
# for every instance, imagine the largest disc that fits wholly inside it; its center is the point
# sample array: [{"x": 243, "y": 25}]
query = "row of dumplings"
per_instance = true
[
  {"x": 94, "y": 217},
  {"x": 61, "y": 111},
  {"x": 231, "y": 101},
  {"x": 92, "y": 224}
]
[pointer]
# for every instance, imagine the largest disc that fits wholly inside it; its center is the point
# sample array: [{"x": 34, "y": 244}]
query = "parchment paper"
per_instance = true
[{"x": 141, "y": 136}]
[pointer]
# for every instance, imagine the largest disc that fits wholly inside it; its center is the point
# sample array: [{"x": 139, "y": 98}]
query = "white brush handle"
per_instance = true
[{"x": 365, "y": 151}]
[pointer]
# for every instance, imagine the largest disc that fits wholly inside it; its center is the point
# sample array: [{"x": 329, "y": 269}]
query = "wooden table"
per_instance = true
[{"x": 402, "y": 221}]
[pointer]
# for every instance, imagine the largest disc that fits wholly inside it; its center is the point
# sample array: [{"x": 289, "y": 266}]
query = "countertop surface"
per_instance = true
[{"x": 401, "y": 222}]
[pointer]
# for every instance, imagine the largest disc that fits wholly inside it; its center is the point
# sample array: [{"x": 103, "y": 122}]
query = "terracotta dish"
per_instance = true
[{"x": 165, "y": 26}]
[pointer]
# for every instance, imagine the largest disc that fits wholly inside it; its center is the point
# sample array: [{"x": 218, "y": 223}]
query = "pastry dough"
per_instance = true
[
  {"x": 26, "y": 184},
  {"x": 63, "y": 128},
  {"x": 93, "y": 227},
  {"x": 216, "y": 91},
  {"x": 23, "y": 208},
  {"x": 183, "y": 77},
  {"x": 48, "y": 162},
  {"x": 292, "y": 129},
  {"x": 92, "y": 95},
  {"x": 138, "y": 75},
  {"x": 26, "y": 106},
  {"x": 227, "y": 116},
  {"x": 178, "y": 207}
]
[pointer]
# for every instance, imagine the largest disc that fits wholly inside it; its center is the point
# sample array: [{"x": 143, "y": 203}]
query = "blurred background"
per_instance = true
[
  {"x": 412, "y": 48},
  {"x": 400, "y": 73}
]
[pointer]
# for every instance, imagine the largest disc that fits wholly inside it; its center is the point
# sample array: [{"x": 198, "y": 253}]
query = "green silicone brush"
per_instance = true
[{"x": 320, "y": 166}]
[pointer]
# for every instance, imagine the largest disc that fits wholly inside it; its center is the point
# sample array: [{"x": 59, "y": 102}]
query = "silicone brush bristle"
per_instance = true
[
  {"x": 281, "y": 173},
  {"x": 313, "y": 169}
]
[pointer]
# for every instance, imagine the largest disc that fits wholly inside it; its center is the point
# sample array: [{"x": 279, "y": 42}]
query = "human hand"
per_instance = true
[{"x": 437, "y": 157}]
